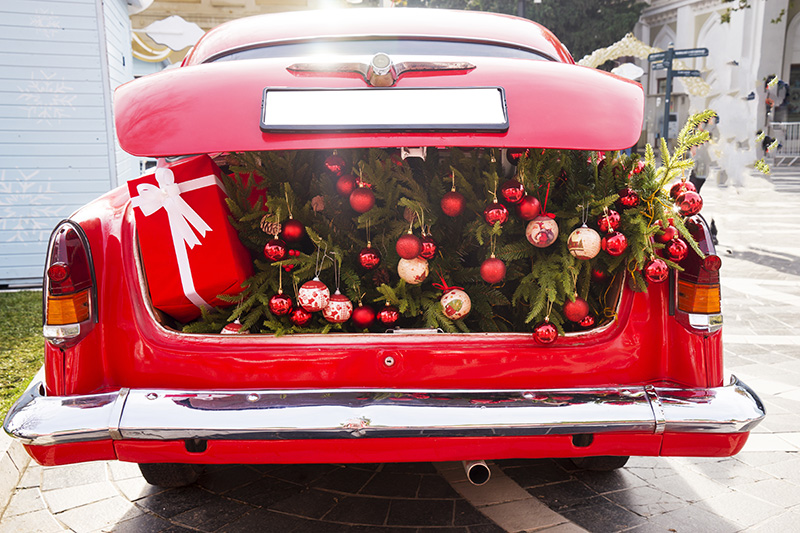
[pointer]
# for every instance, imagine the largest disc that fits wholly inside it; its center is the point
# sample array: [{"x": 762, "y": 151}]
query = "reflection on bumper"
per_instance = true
[{"x": 332, "y": 414}]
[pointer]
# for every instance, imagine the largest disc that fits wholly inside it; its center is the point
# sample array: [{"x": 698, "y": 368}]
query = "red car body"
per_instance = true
[{"x": 119, "y": 385}]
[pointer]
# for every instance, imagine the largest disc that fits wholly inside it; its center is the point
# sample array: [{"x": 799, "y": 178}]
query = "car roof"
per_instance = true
[{"x": 378, "y": 23}]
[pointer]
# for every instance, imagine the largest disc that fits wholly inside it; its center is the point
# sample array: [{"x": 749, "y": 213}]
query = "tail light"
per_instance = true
[{"x": 70, "y": 295}]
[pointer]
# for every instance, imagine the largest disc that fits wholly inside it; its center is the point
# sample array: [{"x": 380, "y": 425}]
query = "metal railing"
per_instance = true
[{"x": 788, "y": 135}]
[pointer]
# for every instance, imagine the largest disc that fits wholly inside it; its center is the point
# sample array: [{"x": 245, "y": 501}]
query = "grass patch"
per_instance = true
[{"x": 21, "y": 343}]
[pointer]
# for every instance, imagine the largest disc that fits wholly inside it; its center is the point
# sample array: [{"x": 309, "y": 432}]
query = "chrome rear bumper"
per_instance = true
[{"x": 334, "y": 414}]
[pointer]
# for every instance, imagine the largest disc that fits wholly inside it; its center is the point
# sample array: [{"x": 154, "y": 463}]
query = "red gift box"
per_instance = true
[{"x": 190, "y": 251}]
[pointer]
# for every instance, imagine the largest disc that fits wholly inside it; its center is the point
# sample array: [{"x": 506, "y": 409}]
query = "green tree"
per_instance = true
[{"x": 582, "y": 25}]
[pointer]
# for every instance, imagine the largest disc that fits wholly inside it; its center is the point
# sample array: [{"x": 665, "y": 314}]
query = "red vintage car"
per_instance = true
[{"x": 391, "y": 154}]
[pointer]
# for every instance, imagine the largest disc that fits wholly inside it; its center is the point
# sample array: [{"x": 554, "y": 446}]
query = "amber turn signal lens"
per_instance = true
[
  {"x": 697, "y": 298},
  {"x": 69, "y": 309}
]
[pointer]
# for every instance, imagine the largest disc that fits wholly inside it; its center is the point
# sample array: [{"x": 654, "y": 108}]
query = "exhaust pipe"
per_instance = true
[{"x": 478, "y": 472}]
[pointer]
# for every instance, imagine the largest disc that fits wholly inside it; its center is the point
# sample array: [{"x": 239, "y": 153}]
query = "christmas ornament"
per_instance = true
[
  {"x": 584, "y": 243},
  {"x": 494, "y": 213},
  {"x": 576, "y": 310},
  {"x": 587, "y": 322},
  {"x": 300, "y": 317},
  {"x": 346, "y": 184},
  {"x": 280, "y": 304},
  {"x": 628, "y": 198},
  {"x": 233, "y": 328},
  {"x": 335, "y": 164},
  {"x": 389, "y": 315},
  {"x": 512, "y": 191},
  {"x": 429, "y": 248},
  {"x": 456, "y": 303},
  {"x": 413, "y": 271},
  {"x": 545, "y": 332},
  {"x": 656, "y": 270},
  {"x": 689, "y": 203},
  {"x": 363, "y": 316},
  {"x": 493, "y": 270},
  {"x": 609, "y": 220},
  {"x": 614, "y": 243},
  {"x": 369, "y": 257},
  {"x": 275, "y": 250},
  {"x": 542, "y": 231},
  {"x": 339, "y": 308},
  {"x": 676, "y": 249},
  {"x": 528, "y": 207},
  {"x": 362, "y": 199},
  {"x": 408, "y": 246},
  {"x": 679, "y": 187},
  {"x": 293, "y": 231},
  {"x": 313, "y": 295}
]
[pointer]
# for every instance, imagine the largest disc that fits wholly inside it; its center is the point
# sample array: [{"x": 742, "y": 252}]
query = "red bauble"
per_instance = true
[
  {"x": 363, "y": 316},
  {"x": 545, "y": 332},
  {"x": 493, "y": 270},
  {"x": 300, "y": 317},
  {"x": 689, "y": 203},
  {"x": 587, "y": 322},
  {"x": 512, "y": 191},
  {"x": 346, "y": 184},
  {"x": 275, "y": 250},
  {"x": 656, "y": 270},
  {"x": 677, "y": 249},
  {"x": 389, "y": 315},
  {"x": 577, "y": 310},
  {"x": 369, "y": 257},
  {"x": 429, "y": 248},
  {"x": 614, "y": 243},
  {"x": 362, "y": 199},
  {"x": 495, "y": 213},
  {"x": 608, "y": 220},
  {"x": 408, "y": 246},
  {"x": 453, "y": 204},
  {"x": 628, "y": 198},
  {"x": 280, "y": 304},
  {"x": 679, "y": 187},
  {"x": 335, "y": 164},
  {"x": 529, "y": 208},
  {"x": 667, "y": 235},
  {"x": 293, "y": 231}
]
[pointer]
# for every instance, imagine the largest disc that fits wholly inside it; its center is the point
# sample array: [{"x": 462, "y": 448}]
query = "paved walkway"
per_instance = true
[{"x": 758, "y": 490}]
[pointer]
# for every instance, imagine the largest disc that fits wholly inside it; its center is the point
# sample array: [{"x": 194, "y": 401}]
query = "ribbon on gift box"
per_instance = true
[{"x": 183, "y": 220}]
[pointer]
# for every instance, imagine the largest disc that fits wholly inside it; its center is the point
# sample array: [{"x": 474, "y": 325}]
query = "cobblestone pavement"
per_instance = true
[{"x": 757, "y": 490}]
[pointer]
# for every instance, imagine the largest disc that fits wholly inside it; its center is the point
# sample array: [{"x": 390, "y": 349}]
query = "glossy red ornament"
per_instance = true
[
  {"x": 346, "y": 184},
  {"x": 587, "y": 322},
  {"x": 689, "y": 203},
  {"x": 363, "y": 316},
  {"x": 529, "y": 207},
  {"x": 335, "y": 164},
  {"x": 493, "y": 270},
  {"x": 494, "y": 213},
  {"x": 453, "y": 203},
  {"x": 280, "y": 304},
  {"x": 408, "y": 246},
  {"x": 369, "y": 257},
  {"x": 429, "y": 248},
  {"x": 628, "y": 198},
  {"x": 615, "y": 243},
  {"x": 545, "y": 332},
  {"x": 300, "y": 317},
  {"x": 575, "y": 311},
  {"x": 362, "y": 199},
  {"x": 293, "y": 231},
  {"x": 512, "y": 191},
  {"x": 608, "y": 220},
  {"x": 656, "y": 270},
  {"x": 676, "y": 249},
  {"x": 339, "y": 308},
  {"x": 313, "y": 295},
  {"x": 389, "y": 315},
  {"x": 275, "y": 250},
  {"x": 679, "y": 187}
]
